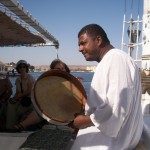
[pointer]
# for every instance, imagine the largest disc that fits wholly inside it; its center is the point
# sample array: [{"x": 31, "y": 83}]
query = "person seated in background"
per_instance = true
[
  {"x": 33, "y": 118},
  {"x": 5, "y": 93},
  {"x": 20, "y": 104}
]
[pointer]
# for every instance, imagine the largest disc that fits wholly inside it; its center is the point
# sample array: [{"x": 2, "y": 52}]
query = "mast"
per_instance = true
[
  {"x": 133, "y": 43},
  {"x": 131, "y": 31},
  {"x": 146, "y": 37}
]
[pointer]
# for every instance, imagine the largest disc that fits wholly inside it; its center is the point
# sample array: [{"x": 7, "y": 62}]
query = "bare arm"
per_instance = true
[
  {"x": 8, "y": 91},
  {"x": 7, "y": 95},
  {"x": 31, "y": 119}
]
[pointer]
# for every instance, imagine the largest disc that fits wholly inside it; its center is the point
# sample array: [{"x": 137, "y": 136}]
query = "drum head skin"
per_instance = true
[{"x": 59, "y": 96}]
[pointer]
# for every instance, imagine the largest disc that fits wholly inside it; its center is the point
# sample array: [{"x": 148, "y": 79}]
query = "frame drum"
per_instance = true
[{"x": 58, "y": 96}]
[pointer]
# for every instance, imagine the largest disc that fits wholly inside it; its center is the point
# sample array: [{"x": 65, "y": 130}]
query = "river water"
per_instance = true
[{"x": 87, "y": 77}]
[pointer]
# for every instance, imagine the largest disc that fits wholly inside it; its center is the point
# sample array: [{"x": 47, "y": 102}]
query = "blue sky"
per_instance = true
[{"x": 64, "y": 19}]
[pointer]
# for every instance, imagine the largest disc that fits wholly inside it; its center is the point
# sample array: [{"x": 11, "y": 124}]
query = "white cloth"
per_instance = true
[{"x": 114, "y": 106}]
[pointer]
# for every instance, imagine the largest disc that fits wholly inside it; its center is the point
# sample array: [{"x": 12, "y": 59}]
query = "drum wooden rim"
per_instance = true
[{"x": 73, "y": 80}]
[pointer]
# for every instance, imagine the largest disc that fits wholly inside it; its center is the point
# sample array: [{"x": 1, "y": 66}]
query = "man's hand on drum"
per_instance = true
[{"x": 82, "y": 121}]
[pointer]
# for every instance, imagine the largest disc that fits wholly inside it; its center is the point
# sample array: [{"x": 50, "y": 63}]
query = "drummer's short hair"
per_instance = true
[
  {"x": 58, "y": 61},
  {"x": 94, "y": 30}
]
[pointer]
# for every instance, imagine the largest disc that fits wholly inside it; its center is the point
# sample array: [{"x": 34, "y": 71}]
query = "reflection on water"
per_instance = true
[{"x": 87, "y": 77}]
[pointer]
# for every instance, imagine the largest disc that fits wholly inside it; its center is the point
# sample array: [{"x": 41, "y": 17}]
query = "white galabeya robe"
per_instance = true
[{"x": 114, "y": 106}]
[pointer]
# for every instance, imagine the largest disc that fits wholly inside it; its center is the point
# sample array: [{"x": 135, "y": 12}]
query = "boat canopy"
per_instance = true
[{"x": 19, "y": 28}]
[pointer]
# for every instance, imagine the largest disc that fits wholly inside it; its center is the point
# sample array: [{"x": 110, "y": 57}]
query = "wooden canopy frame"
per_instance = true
[
  {"x": 18, "y": 27},
  {"x": 13, "y": 34}
]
